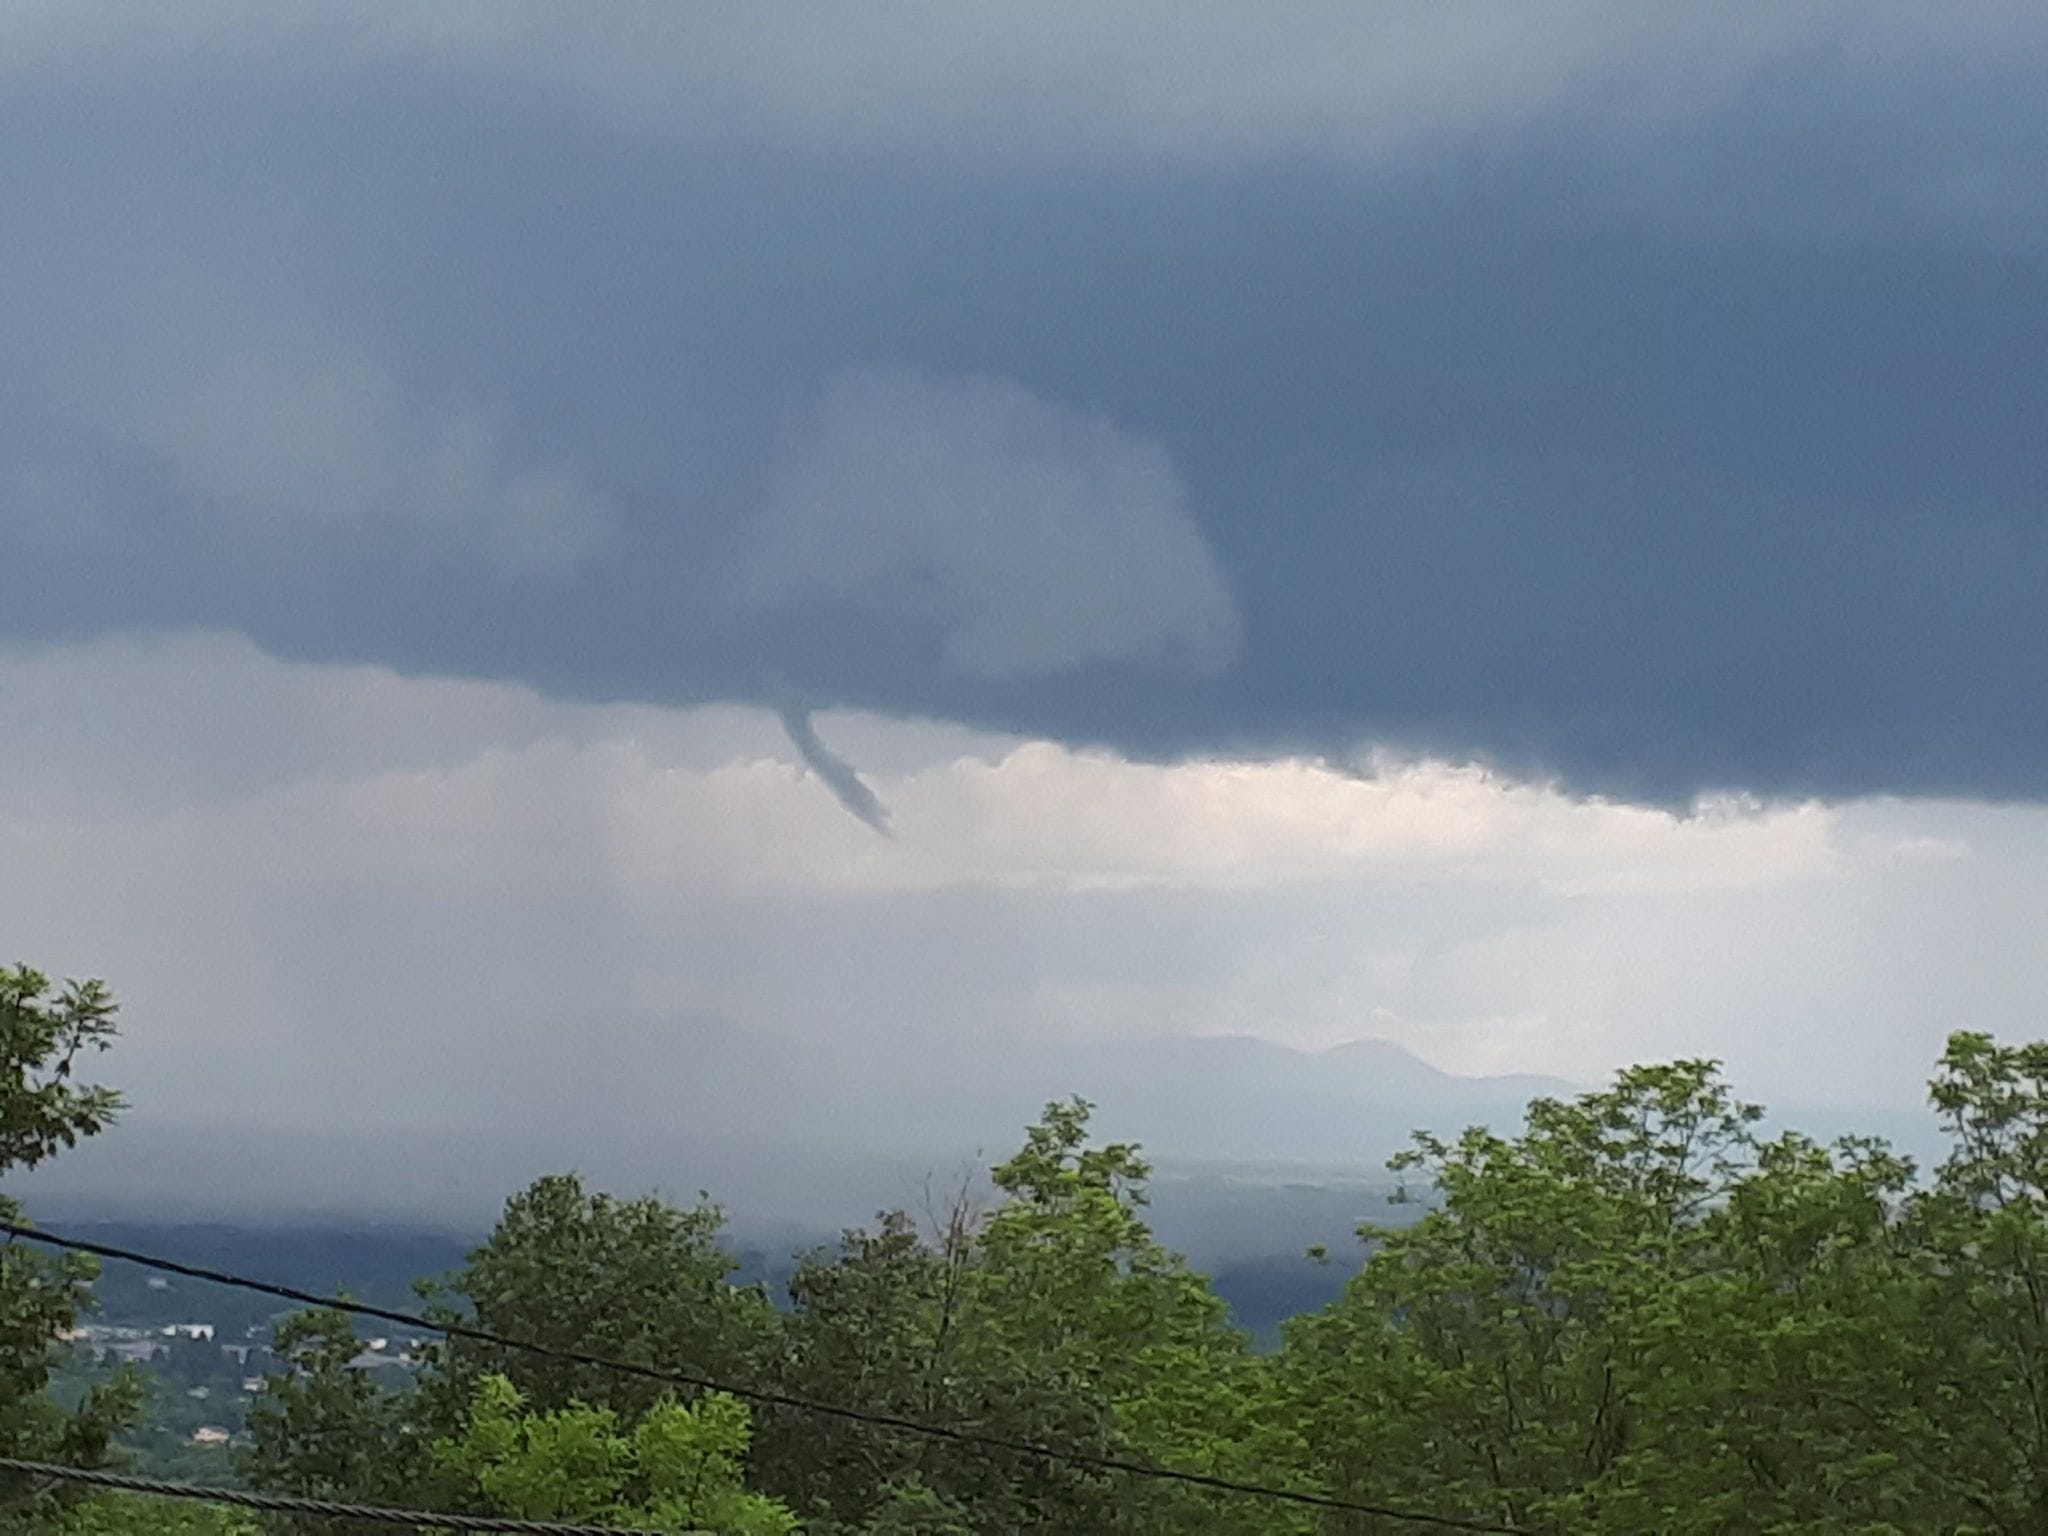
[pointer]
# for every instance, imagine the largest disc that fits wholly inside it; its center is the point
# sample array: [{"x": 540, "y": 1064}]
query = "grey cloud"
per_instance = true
[
  {"x": 283, "y": 431},
  {"x": 1040, "y": 539},
  {"x": 1479, "y": 453},
  {"x": 340, "y": 452},
  {"x": 1151, "y": 84}
]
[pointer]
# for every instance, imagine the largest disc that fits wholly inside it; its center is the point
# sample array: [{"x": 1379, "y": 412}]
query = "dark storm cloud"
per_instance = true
[{"x": 1666, "y": 449}]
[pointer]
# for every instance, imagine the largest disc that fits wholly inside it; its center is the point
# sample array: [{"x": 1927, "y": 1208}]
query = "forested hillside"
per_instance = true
[{"x": 1635, "y": 1312}]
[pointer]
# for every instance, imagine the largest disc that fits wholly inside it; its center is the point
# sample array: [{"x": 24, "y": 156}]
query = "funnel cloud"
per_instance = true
[{"x": 834, "y": 771}]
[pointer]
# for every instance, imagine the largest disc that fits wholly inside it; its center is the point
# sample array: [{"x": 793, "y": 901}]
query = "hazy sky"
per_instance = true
[{"x": 1518, "y": 530}]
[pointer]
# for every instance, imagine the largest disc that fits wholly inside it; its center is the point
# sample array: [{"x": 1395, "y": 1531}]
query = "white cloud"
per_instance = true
[{"x": 1043, "y": 538}]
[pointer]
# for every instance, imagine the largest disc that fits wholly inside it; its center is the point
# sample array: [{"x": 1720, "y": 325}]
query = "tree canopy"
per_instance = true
[
  {"x": 46, "y": 1031},
  {"x": 1637, "y": 1311}
]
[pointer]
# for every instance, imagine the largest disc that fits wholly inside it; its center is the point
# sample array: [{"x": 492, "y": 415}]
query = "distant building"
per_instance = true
[
  {"x": 201, "y": 1394},
  {"x": 210, "y": 1434},
  {"x": 194, "y": 1331},
  {"x": 252, "y": 1385}
]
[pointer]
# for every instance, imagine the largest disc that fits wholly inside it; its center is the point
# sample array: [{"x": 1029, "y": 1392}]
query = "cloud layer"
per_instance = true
[
  {"x": 1650, "y": 400},
  {"x": 348, "y": 910}
]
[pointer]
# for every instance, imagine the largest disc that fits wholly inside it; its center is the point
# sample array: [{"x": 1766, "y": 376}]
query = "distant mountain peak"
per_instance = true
[{"x": 1364, "y": 1051}]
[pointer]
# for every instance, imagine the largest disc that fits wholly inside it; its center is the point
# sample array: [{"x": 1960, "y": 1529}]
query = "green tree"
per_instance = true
[
  {"x": 638, "y": 1280},
  {"x": 872, "y": 1325},
  {"x": 1981, "y": 1234},
  {"x": 1487, "y": 1361},
  {"x": 909, "y": 1508},
  {"x": 635, "y": 1280},
  {"x": 44, "y": 1033},
  {"x": 678, "y": 1468},
  {"x": 1638, "y": 1316},
  {"x": 325, "y": 1429},
  {"x": 1114, "y": 1343},
  {"x": 1056, "y": 1319},
  {"x": 118, "y": 1514},
  {"x": 1783, "y": 1376}
]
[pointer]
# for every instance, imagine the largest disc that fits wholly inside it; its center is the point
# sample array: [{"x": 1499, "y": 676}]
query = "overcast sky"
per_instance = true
[{"x": 1516, "y": 530}]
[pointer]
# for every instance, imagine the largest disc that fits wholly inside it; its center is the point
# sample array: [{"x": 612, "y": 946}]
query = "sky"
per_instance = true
[{"x": 799, "y": 577}]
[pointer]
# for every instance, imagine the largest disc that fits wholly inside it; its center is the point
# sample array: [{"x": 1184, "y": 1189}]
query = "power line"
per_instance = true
[
  {"x": 290, "y": 1504},
  {"x": 767, "y": 1396}
]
